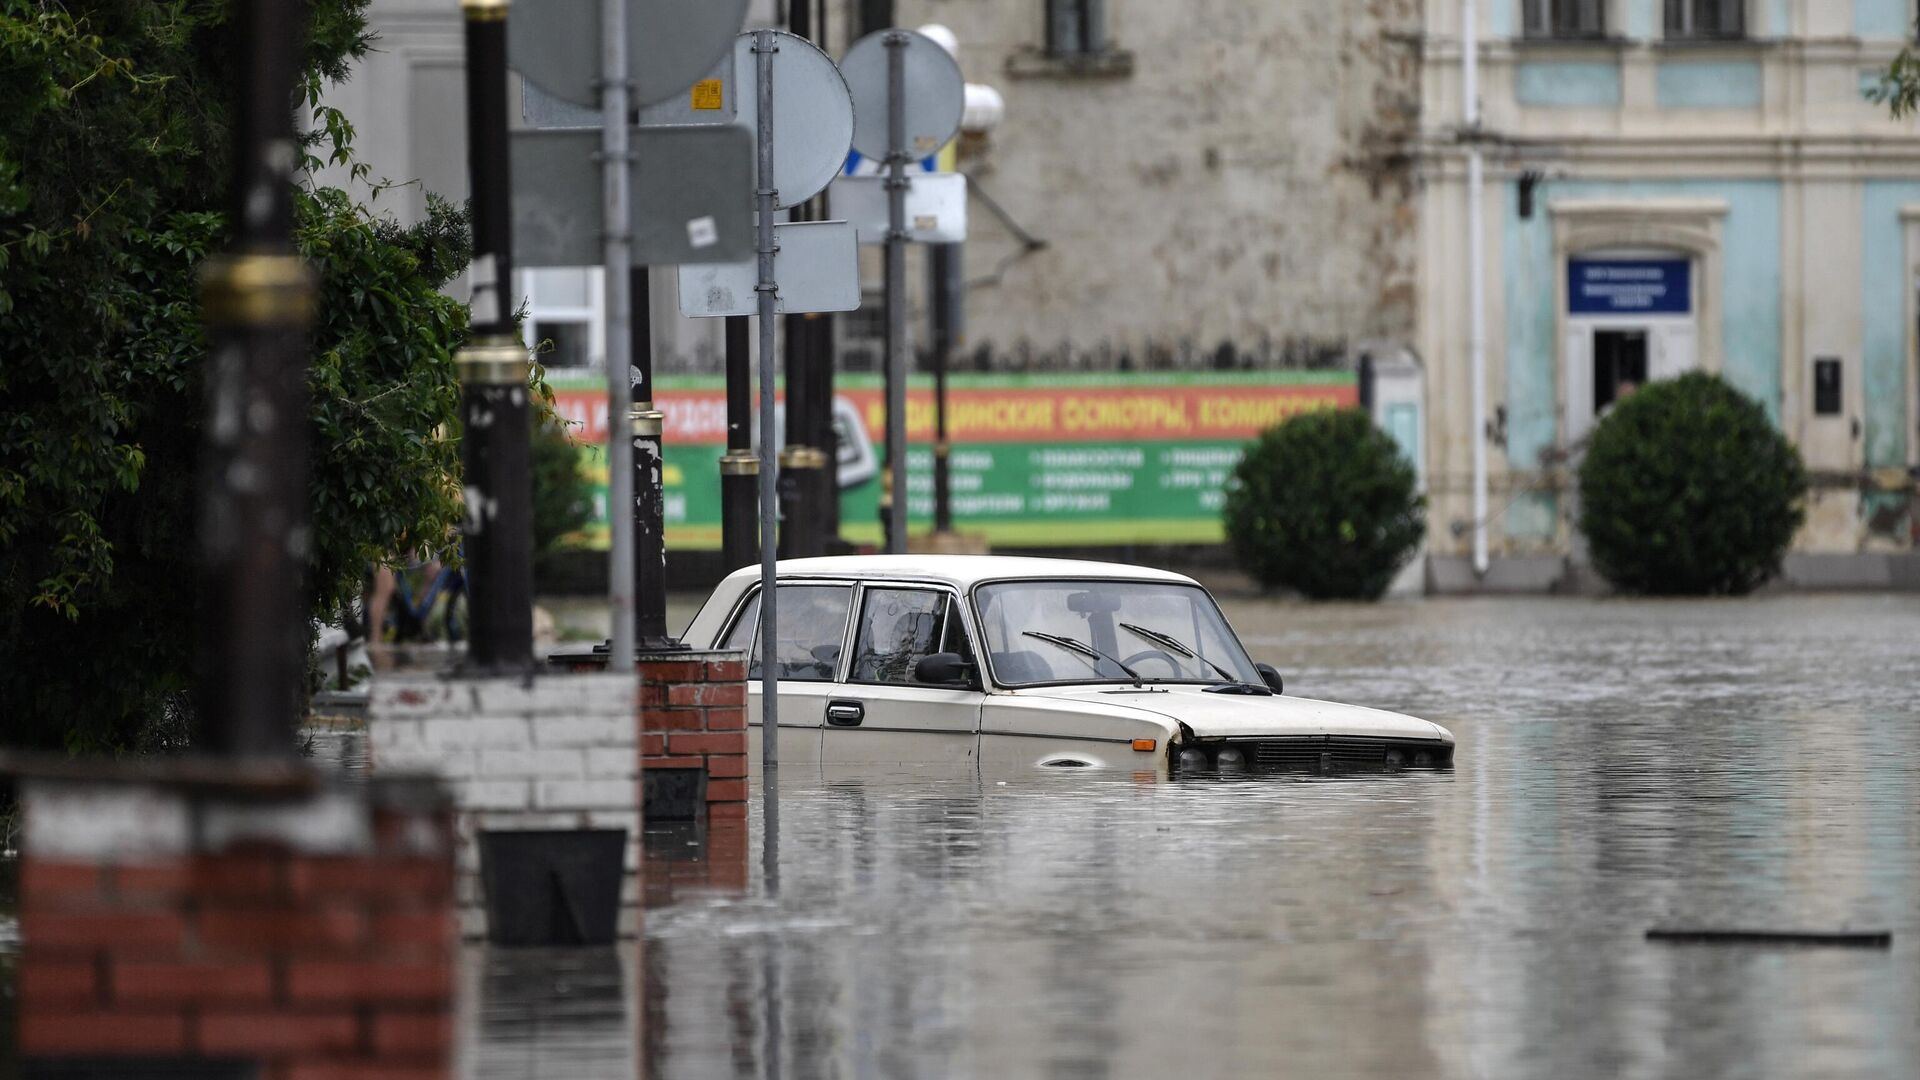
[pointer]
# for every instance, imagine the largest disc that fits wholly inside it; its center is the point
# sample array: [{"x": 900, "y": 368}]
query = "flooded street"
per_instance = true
[{"x": 1622, "y": 765}]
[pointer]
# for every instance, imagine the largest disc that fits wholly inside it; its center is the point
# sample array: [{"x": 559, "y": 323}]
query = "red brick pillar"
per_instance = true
[
  {"x": 693, "y": 716},
  {"x": 305, "y": 928}
]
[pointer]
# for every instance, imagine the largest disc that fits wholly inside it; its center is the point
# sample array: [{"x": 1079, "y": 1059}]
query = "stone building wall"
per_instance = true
[{"x": 1233, "y": 175}]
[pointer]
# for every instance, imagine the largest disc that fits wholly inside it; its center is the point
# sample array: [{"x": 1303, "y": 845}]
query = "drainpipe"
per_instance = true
[{"x": 1476, "y": 276}]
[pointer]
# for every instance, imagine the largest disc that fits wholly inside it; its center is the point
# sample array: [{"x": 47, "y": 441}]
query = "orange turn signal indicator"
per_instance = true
[{"x": 1145, "y": 746}]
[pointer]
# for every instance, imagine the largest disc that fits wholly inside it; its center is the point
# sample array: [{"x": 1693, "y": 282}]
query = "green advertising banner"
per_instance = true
[{"x": 1037, "y": 460}]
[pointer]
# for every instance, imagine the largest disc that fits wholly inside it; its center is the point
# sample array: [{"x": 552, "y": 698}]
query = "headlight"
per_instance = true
[
  {"x": 1230, "y": 758},
  {"x": 1193, "y": 758}
]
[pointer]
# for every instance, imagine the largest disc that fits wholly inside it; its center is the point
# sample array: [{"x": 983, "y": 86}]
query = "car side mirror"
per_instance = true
[
  {"x": 1271, "y": 676},
  {"x": 944, "y": 669}
]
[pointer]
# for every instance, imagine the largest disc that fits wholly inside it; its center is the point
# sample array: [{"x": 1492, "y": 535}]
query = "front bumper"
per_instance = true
[{"x": 1326, "y": 755}]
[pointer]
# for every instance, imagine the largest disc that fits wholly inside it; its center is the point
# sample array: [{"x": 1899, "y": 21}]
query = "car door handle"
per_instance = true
[{"x": 845, "y": 713}]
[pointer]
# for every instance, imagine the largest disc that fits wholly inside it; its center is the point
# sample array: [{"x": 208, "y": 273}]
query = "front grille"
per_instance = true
[{"x": 1328, "y": 754}]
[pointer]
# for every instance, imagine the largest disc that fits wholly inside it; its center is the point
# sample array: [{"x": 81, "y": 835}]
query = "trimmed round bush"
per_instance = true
[
  {"x": 1325, "y": 504},
  {"x": 1688, "y": 489}
]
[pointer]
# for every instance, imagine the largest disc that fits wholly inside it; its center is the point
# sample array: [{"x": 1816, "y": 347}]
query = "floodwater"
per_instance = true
[{"x": 1622, "y": 765}]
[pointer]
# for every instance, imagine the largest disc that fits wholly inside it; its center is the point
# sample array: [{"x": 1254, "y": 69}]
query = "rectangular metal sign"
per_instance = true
[
  {"x": 708, "y": 101},
  {"x": 547, "y": 112},
  {"x": 692, "y": 196},
  {"x": 1629, "y": 287},
  {"x": 936, "y": 207},
  {"x": 817, "y": 267}
]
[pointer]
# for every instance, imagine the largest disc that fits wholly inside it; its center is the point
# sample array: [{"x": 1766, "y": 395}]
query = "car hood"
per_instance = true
[{"x": 1213, "y": 716}]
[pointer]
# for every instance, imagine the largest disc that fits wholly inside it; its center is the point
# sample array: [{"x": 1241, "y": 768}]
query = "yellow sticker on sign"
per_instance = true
[{"x": 708, "y": 95}]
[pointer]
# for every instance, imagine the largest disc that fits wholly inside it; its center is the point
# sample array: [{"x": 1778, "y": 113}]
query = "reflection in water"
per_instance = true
[{"x": 538, "y": 1013}]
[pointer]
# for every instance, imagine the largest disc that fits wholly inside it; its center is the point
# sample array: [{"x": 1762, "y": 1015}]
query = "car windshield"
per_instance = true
[{"x": 1107, "y": 631}]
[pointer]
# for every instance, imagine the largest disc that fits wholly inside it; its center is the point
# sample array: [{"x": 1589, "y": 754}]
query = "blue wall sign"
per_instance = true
[{"x": 1629, "y": 287}]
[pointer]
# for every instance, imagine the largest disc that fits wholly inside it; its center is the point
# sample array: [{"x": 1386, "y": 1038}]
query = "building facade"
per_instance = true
[
  {"x": 1671, "y": 185},
  {"x": 1173, "y": 184},
  {"x": 1188, "y": 182}
]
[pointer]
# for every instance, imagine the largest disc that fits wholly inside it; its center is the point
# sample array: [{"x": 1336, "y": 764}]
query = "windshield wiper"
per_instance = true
[
  {"x": 1168, "y": 641},
  {"x": 1083, "y": 651}
]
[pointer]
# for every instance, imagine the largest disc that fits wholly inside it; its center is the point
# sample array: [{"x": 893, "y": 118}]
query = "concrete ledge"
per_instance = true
[
  {"x": 1881, "y": 571},
  {"x": 1452, "y": 575}
]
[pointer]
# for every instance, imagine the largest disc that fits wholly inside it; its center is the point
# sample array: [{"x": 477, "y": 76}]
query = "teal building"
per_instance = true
[{"x": 1670, "y": 185}]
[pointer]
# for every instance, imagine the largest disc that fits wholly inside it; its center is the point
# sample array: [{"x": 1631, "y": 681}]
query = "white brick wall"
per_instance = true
[{"x": 552, "y": 752}]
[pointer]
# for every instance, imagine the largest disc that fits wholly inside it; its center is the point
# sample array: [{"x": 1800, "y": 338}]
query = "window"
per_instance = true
[
  {"x": 1706, "y": 18},
  {"x": 1564, "y": 18},
  {"x": 900, "y": 627},
  {"x": 813, "y": 621},
  {"x": 1826, "y": 386},
  {"x": 1076, "y": 27},
  {"x": 1106, "y": 616}
]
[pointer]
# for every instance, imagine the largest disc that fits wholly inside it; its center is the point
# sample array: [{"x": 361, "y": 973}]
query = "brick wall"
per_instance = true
[
  {"x": 693, "y": 715},
  {"x": 547, "y": 752},
  {"x": 309, "y": 931}
]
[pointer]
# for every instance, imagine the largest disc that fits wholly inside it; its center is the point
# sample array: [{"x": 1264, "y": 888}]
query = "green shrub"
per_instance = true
[
  {"x": 1325, "y": 504},
  {"x": 115, "y": 127},
  {"x": 562, "y": 499},
  {"x": 1688, "y": 489}
]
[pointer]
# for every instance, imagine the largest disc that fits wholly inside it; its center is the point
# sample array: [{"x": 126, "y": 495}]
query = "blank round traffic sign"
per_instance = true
[
  {"x": 812, "y": 113},
  {"x": 936, "y": 94},
  {"x": 671, "y": 44}
]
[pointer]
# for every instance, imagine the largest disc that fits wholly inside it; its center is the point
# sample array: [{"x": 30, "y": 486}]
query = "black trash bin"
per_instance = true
[{"x": 559, "y": 887}]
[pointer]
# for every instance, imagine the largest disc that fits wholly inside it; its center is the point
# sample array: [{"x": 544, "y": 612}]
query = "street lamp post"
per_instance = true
[
  {"x": 649, "y": 509},
  {"x": 494, "y": 407},
  {"x": 258, "y": 302}
]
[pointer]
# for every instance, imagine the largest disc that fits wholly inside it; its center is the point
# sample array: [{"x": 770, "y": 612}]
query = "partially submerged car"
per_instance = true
[{"x": 1021, "y": 661}]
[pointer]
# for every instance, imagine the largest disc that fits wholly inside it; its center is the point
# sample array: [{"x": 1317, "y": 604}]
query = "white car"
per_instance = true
[{"x": 1005, "y": 661}]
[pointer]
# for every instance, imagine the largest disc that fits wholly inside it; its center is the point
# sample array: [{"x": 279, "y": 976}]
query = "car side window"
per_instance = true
[
  {"x": 813, "y": 622},
  {"x": 897, "y": 629}
]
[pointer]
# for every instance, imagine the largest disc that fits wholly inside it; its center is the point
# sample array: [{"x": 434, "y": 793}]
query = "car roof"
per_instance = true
[{"x": 963, "y": 571}]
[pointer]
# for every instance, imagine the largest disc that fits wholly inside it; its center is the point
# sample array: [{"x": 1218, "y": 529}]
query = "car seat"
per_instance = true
[{"x": 1022, "y": 666}]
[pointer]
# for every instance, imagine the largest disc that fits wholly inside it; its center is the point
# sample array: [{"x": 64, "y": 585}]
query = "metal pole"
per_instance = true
[
  {"x": 1476, "y": 278},
  {"x": 947, "y": 285},
  {"x": 616, "y": 193},
  {"x": 738, "y": 466},
  {"x": 495, "y": 410},
  {"x": 649, "y": 509},
  {"x": 896, "y": 351},
  {"x": 820, "y": 435},
  {"x": 801, "y": 535},
  {"x": 763, "y": 49},
  {"x": 258, "y": 303}
]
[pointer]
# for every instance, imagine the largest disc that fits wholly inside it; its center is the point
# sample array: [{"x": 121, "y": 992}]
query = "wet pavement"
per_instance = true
[{"x": 1623, "y": 765}]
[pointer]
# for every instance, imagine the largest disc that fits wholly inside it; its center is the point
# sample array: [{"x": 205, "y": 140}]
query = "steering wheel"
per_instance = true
[{"x": 1162, "y": 655}]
